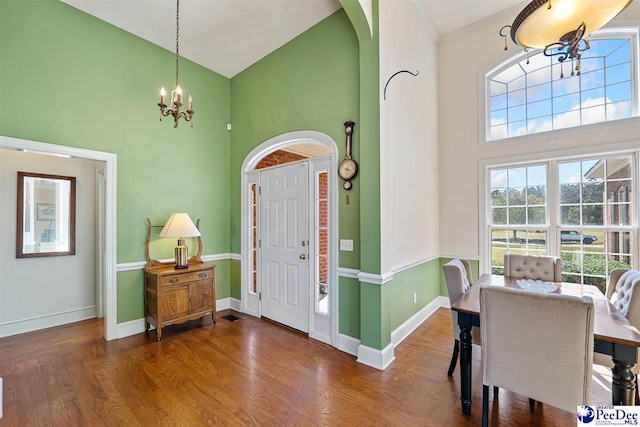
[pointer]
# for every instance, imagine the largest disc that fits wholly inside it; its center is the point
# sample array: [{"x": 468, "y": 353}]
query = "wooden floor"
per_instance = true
[{"x": 249, "y": 372}]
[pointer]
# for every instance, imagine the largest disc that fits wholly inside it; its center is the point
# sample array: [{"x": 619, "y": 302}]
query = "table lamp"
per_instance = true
[{"x": 180, "y": 225}]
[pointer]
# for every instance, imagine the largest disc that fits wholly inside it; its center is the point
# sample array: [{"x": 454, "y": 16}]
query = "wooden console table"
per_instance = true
[{"x": 175, "y": 296}]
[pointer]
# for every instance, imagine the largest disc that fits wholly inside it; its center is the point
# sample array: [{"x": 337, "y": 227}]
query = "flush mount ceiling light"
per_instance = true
[
  {"x": 558, "y": 26},
  {"x": 176, "y": 94}
]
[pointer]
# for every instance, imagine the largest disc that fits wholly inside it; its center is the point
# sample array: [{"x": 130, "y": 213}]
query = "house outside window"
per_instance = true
[{"x": 581, "y": 210}]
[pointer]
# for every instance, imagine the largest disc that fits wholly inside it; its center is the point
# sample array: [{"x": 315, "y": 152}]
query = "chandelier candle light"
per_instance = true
[
  {"x": 558, "y": 26},
  {"x": 176, "y": 94}
]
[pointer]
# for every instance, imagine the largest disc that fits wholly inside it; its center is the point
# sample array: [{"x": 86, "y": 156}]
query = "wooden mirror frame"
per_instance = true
[
  {"x": 196, "y": 259},
  {"x": 20, "y": 223}
]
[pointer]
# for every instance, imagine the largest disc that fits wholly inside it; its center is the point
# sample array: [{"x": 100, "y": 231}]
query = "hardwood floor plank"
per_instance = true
[{"x": 245, "y": 373}]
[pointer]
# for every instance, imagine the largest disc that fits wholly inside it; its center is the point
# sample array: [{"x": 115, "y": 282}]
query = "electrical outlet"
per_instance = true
[
  {"x": 415, "y": 297},
  {"x": 346, "y": 245}
]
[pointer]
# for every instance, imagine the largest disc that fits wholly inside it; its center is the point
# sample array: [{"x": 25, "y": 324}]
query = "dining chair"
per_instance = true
[
  {"x": 525, "y": 351},
  {"x": 623, "y": 291},
  {"x": 457, "y": 274},
  {"x": 533, "y": 267}
]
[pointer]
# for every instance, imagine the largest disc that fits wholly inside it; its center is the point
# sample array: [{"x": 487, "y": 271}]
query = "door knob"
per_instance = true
[{"x": 303, "y": 256}]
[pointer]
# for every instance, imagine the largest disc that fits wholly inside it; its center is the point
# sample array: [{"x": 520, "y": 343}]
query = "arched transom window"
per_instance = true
[{"x": 539, "y": 94}]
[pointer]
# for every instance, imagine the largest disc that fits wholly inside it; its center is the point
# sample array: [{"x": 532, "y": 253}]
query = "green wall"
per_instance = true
[
  {"x": 311, "y": 83},
  {"x": 349, "y": 307},
  {"x": 70, "y": 79},
  {"x": 73, "y": 80}
]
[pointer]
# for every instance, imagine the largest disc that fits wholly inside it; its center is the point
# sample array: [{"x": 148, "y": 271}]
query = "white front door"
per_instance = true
[{"x": 284, "y": 245}]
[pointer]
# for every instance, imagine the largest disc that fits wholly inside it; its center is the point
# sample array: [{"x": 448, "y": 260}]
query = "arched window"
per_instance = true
[{"x": 536, "y": 93}]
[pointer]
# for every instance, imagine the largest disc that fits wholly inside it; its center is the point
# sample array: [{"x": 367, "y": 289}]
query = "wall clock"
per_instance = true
[{"x": 348, "y": 168}]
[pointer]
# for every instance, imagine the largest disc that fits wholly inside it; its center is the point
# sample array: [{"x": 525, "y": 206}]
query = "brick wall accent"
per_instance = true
[{"x": 278, "y": 157}]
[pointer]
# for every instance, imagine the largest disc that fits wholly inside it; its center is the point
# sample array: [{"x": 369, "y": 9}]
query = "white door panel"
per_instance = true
[{"x": 284, "y": 269}]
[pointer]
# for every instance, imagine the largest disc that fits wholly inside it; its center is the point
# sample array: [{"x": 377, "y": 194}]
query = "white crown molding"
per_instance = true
[
  {"x": 427, "y": 21},
  {"x": 512, "y": 12}
]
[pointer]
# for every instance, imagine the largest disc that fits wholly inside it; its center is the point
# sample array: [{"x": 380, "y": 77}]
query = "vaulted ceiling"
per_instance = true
[{"x": 228, "y": 36}]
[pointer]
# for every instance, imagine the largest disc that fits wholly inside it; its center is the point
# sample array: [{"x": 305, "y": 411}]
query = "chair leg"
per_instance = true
[
  {"x": 495, "y": 391},
  {"x": 485, "y": 405},
  {"x": 454, "y": 358},
  {"x": 532, "y": 404}
]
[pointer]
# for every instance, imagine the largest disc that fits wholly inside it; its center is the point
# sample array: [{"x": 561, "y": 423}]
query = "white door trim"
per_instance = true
[
  {"x": 250, "y": 161},
  {"x": 110, "y": 170}
]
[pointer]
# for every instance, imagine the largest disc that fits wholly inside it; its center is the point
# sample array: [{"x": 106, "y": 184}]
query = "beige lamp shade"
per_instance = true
[
  {"x": 179, "y": 225},
  {"x": 538, "y": 26}
]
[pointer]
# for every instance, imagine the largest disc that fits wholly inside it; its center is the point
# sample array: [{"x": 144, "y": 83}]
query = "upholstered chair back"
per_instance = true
[
  {"x": 533, "y": 267},
  {"x": 623, "y": 291},
  {"x": 457, "y": 274},
  {"x": 524, "y": 350}
]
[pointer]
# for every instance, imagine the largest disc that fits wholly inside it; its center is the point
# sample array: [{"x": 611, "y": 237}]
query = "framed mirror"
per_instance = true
[{"x": 46, "y": 215}]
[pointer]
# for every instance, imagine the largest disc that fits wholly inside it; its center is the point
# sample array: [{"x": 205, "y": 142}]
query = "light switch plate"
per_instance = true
[{"x": 346, "y": 245}]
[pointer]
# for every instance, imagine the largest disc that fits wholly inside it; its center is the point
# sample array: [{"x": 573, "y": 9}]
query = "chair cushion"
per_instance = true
[{"x": 530, "y": 267}]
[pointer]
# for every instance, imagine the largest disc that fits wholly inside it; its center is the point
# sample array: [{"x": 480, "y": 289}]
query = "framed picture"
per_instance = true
[{"x": 45, "y": 212}]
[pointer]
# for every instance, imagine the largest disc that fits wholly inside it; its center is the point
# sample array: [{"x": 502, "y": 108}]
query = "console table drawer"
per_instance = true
[{"x": 177, "y": 279}]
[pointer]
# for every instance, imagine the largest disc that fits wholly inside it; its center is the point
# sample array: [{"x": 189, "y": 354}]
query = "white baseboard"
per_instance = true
[
  {"x": 47, "y": 321},
  {"x": 236, "y": 304},
  {"x": 378, "y": 359},
  {"x": 348, "y": 344},
  {"x": 223, "y": 304},
  {"x": 136, "y": 326},
  {"x": 403, "y": 331},
  {"x": 131, "y": 327},
  {"x": 320, "y": 337}
]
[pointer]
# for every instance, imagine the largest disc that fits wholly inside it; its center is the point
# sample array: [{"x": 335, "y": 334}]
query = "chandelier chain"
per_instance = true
[{"x": 177, "y": 44}]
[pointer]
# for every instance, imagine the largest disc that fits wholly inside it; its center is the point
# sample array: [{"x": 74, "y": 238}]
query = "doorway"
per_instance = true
[
  {"x": 109, "y": 215},
  {"x": 289, "y": 249}
]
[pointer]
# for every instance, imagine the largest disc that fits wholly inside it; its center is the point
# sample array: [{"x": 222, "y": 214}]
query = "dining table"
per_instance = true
[{"x": 612, "y": 333}]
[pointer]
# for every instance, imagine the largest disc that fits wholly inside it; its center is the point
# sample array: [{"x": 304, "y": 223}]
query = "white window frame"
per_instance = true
[
  {"x": 554, "y": 228},
  {"x": 525, "y": 227},
  {"x": 509, "y": 59}
]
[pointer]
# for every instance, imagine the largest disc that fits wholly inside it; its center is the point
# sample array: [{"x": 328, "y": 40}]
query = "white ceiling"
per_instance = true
[
  {"x": 450, "y": 16},
  {"x": 228, "y": 36}
]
